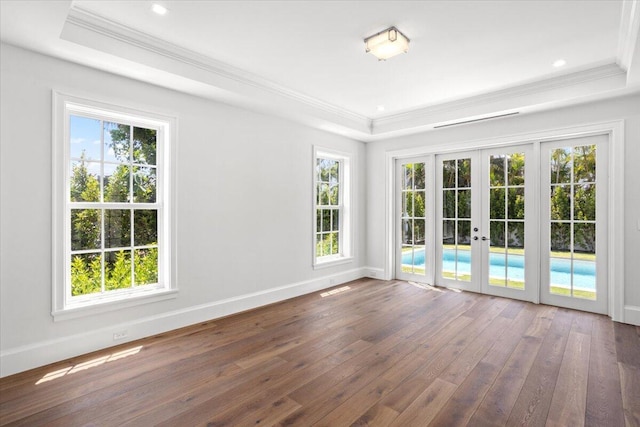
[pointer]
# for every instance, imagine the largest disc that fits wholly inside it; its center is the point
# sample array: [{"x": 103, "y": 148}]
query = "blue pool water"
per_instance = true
[{"x": 584, "y": 272}]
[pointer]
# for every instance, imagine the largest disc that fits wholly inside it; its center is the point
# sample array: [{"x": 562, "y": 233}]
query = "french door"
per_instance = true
[
  {"x": 486, "y": 223},
  {"x": 574, "y": 184},
  {"x": 414, "y": 203}
]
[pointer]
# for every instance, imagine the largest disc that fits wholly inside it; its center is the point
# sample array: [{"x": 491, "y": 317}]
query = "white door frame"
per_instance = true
[{"x": 615, "y": 129}]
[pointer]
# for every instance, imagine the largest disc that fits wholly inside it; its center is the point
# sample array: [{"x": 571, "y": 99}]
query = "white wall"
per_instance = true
[
  {"x": 627, "y": 108},
  {"x": 244, "y": 210}
]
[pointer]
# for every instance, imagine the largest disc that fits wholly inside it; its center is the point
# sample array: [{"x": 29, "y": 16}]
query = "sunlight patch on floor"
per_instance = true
[
  {"x": 89, "y": 364},
  {"x": 335, "y": 291}
]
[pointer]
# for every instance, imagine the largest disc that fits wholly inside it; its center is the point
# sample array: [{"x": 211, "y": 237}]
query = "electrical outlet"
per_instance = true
[
  {"x": 119, "y": 335},
  {"x": 372, "y": 273},
  {"x": 332, "y": 281}
]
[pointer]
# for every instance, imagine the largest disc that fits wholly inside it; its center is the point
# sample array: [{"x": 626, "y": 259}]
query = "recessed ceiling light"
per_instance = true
[
  {"x": 380, "y": 107},
  {"x": 159, "y": 9},
  {"x": 560, "y": 63}
]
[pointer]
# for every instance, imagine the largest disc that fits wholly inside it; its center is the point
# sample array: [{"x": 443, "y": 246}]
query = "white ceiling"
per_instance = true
[{"x": 306, "y": 60}]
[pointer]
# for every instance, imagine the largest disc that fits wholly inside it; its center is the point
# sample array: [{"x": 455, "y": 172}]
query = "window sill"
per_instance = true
[
  {"x": 331, "y": 262},
  {"x": 107, "y": 305}
]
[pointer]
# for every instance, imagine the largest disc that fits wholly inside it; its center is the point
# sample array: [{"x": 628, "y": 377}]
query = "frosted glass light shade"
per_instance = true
[{"x": 387, "y": 43}]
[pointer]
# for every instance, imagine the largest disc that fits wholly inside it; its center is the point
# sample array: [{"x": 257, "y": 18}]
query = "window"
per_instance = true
[
  {"x": 332, "y": 243},
  {"x": 111, "y": 206}
]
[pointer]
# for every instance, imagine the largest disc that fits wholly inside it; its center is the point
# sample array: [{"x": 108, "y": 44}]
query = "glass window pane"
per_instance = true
[
  {"x": 407, "y": 231},
  {"x": 449, "y": 232},
  {"x": 561, "y": 238},
  {"x": 515, "y": 269},
  {"x": 145, "y": 227},
  {"x": 464, "y": 232},
  {"x": 334, "y": 173},
  {"x": 464, "y": 173},
  {"x": 496, "y": 203},
  {"x": 334, "y": 195},
  {"x": 418, "y": 208},
  {"x": 84, "y": 182},
  {"x": 464, "y": 203},
  {"x": 497, "y": 234},
  {"x": 117, "y": 270},
  {"x": 561, "y": 202},
  {"x": 335, "y": 220},
  {"x": 498, "y": 268},
  {"x": 84, "y": 138},
  {"x": 449, "y": 203},
  {"x": 560, "y": 161},
  {"x": 326, "y": 220},
  {"x": 515, "y": 235},
  {"x": 116, "y": 183},
  {"x": 407, "y": 182},
  {"x": 496, "y": 170},
  {"x": 418, "y": 232},
  {"x": 86, "y": 226},
  {"x": 144, "y": 146},
  {"x": 146, "y": 266},
  {"x": 117, "y": 141},
  {"x": 584, "y": 163},
  {"x": 117, "y": 228},
  {"x": 324, "y": 194},
  {"x": 409, "y": 197},
  {"x": 144, "y": 184},
  {"x": 516, "y": 169},
  {"x": 318, "y": 220},
  {"x": 584, "y": 278},
  {"x": 86, "y": 274},
  {"x": 319, "y": 245},
  {"x": 560, "y": 275},
  {"x": 516, "y": 203},
  {"x": 419, "y": 176},
  {"x": 584, "y": 239},
  {"x": 335, "y": 243},
  {"x": 449, "y": 174},
  {"x": 585, "y": 202}
]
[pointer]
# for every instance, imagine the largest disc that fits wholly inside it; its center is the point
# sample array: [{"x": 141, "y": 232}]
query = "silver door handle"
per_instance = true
[{"x": 475, "y": 237}]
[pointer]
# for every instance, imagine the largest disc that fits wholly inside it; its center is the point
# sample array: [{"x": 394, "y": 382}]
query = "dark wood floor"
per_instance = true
[{"x": 369, "y": 353}]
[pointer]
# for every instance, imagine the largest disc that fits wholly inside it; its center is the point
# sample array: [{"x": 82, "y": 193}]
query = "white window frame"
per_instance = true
[
  {"x": 344, "y": 206},
  {"x": 64, "y": 305}
]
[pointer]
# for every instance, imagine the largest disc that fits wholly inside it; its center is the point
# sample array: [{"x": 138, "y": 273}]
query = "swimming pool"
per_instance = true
[{"x": 584, "y": 272}]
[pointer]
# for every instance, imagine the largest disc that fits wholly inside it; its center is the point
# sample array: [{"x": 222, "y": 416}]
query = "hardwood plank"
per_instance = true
[
  {"x": 627, "y": 344},
  {"x": 378, "y": 416},
  {"x": 604, "y": 396},
  {"x": 534, "y": 400},
  {"x": 425, "y": 407},
  {"x": 568, "y": 404},
  {"x": 630, "y": 382}
]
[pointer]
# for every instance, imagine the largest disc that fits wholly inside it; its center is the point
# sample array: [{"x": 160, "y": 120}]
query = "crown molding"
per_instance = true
[
  {"x": 629, "y": 30},
  {"x": 111, "y": 31}
]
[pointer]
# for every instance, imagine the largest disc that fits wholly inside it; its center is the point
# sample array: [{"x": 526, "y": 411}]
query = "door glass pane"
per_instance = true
[
  {"x": 456, "y": 223},
  {"x": 506, "y": 238},
  {"x": 413, "y": 218},
  {"x": 572, "y": 266}
]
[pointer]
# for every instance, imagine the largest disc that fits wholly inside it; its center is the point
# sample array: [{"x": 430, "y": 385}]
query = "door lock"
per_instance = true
[{"x": 484, "y": 238}]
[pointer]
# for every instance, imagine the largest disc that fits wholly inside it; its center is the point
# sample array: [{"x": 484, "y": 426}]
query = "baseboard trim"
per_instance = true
[
  {"x": 19, "y": 359},
  {"x": 632, "y": 314},
  {"x": 373, "y": 272}
]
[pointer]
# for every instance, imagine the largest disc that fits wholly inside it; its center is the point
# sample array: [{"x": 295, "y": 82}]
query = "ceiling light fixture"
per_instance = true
[
  {"x": 560, "y": 63},
  {"x": 159, "y": 9},
  {"x": 380, "y": 108},
  {"x": 387, "y": 43}
]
